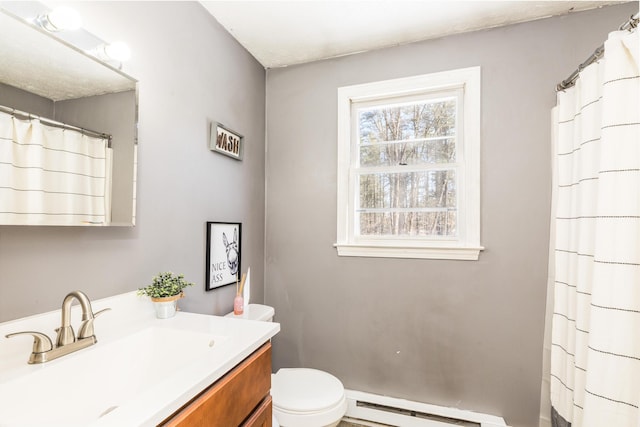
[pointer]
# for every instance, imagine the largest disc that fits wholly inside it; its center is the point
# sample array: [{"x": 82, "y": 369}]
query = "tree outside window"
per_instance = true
[{"x": 406, "y": 176}]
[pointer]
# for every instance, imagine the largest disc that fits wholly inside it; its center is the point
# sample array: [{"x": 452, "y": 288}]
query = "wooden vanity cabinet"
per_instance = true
[{"x": 240, "y": 398}]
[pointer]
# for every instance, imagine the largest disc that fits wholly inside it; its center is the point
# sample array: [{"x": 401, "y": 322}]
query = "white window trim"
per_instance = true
[{"x": 467, "y": 247}]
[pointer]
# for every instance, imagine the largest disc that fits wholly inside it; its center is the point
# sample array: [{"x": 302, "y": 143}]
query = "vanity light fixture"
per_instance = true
[
  {"x": 62, "y": 18},
  {"x": 116, "y": 51}
]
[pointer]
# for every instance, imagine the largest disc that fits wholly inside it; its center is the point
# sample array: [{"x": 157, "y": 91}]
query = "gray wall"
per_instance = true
[
  {"x": 454, "y": 333},
  {"x": 25, "y": 101},
  {"x": 190, "y": 75}
]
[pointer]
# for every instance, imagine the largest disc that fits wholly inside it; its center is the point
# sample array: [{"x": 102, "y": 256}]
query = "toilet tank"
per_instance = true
[{"x": 259, "y": 312}]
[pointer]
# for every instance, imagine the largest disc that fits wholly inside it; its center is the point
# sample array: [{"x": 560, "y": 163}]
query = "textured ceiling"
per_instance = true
[
  {"x": 281, "y": 33},
  {"x": 32, "y": 60}
]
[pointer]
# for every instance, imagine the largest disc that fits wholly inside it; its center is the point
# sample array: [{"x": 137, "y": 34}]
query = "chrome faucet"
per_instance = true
[{"x": 66, "y": 341}]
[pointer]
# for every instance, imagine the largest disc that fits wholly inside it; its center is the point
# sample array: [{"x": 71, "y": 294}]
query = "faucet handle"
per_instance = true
[
  {"x": 41, "y": 342},
  {"x": 98, "y": 313},
  {"x": 65, "y": 335},
  {"x": 86, "y": 328}
]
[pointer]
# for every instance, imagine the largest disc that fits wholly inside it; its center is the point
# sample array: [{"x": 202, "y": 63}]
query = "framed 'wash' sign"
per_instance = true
[
  {"x": 226, "y": 141},
  {"x": 223, "y": 253}
]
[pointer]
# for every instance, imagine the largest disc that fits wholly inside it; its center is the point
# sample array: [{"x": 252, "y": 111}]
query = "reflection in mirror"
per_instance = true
[{"x": 67, "y": 128}]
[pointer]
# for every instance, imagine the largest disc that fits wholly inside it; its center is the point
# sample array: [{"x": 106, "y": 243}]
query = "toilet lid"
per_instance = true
[{"x": 305, "y": 390}]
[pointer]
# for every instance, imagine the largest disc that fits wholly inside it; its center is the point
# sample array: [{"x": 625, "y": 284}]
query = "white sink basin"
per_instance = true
[
  {"x": 137, "y": 379},
  {"x": 98, "y": 380}
]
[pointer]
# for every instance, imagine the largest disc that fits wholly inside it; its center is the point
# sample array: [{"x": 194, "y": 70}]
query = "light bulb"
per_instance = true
[
  {"x": 118, "y": 51},
  {"x": 62, "y": 18}
]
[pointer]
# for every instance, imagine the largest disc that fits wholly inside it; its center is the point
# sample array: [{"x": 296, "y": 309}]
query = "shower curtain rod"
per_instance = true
[
  {"x": 28, "y": 116},
  {"x": 630, "y": 25}
]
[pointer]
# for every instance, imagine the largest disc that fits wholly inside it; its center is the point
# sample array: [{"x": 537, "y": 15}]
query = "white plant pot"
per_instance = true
[{"x": 166, "y": 307}]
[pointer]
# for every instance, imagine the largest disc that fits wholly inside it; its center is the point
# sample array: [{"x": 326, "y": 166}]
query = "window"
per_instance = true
[{"x": 409, "y": 167}]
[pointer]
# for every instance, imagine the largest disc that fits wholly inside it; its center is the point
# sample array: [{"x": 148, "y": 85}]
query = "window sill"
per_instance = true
[{"x": 377, "y": 251}]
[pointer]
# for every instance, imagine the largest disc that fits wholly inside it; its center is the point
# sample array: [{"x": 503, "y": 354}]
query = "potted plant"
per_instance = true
[{"x": 165, "y": 290}]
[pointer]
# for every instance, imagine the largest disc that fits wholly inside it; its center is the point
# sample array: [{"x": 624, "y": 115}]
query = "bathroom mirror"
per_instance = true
[{"x": 49, "y": 78}]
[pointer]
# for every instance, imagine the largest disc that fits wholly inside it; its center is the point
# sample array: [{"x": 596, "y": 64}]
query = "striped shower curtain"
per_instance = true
[
  {"x": 595, "y": 350},
  {"x": 52, "y": 176}
]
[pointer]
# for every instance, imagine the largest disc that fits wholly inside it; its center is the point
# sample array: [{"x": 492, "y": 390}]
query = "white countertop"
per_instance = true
[{"x": 141, "y": 370}]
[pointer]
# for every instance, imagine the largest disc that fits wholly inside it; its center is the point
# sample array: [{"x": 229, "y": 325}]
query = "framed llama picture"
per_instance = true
[{"x": 223, "y": 253}]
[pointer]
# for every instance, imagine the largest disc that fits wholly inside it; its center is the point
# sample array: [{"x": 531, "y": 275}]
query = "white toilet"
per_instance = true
[{"x": 301, "y": 397}]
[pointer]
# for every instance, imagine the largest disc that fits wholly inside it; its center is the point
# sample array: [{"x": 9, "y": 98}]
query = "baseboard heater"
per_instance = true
[{"x": 375, "y": 410}]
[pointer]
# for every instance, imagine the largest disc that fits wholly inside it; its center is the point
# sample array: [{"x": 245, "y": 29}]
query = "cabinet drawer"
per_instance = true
[
  {"x": 231, "y": 399},
  {"x": 262, "y": 415}
]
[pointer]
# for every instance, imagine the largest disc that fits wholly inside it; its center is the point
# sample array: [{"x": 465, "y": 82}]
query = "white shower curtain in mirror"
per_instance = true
[
  {"x": 52, "y": 176},
  {"x": 595, "y": 351}
]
